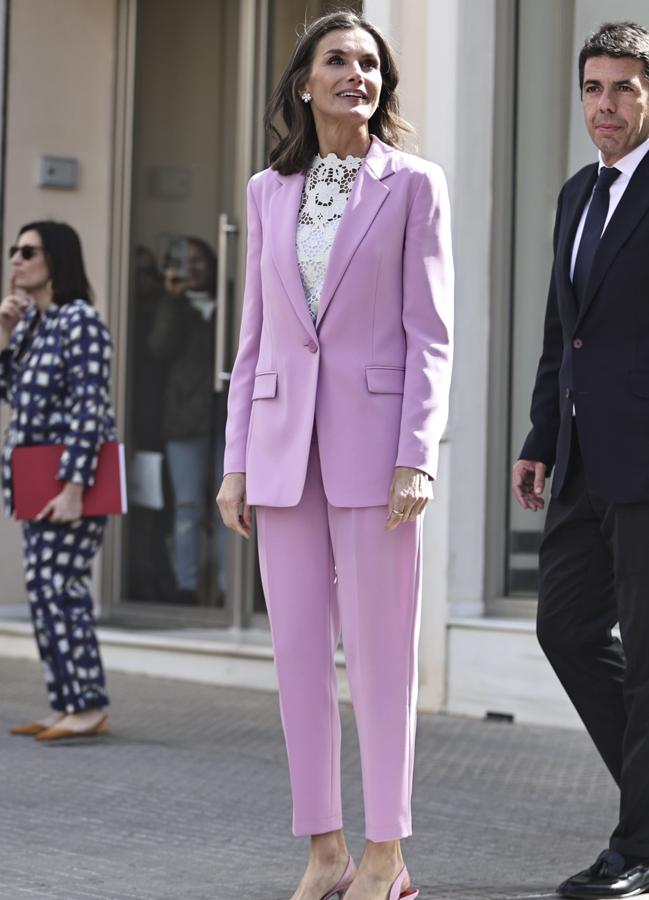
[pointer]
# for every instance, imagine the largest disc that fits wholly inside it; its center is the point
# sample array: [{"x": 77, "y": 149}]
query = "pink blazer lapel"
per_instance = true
[
  {"x": 365, "y": 201},
  {"x": 283, "y": 212}
]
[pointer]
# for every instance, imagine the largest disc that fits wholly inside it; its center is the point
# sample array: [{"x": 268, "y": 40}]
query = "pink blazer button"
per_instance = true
[{"x": 311, "y": 346}]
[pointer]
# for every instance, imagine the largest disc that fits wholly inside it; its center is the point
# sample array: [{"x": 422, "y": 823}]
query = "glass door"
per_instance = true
[
  {"x": 544, "y": 62},
  {"x": 201, "y": 76},
  {"x": 176, "y": 558}
]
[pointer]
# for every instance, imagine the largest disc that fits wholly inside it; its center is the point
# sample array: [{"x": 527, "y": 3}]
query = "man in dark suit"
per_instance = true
[{"x": 590, "y": 421}]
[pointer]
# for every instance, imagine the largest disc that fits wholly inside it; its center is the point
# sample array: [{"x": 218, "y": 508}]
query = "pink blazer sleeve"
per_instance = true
[
  {"x": 243, "y": 373},
  {"x": 428, "y": 323}
]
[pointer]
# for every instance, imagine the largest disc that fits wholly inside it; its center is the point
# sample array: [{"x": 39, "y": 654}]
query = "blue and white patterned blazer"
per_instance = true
[{"x": 58, "y": 389}]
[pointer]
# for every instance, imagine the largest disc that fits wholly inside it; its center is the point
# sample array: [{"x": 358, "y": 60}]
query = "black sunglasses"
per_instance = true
[{"x": 27, "y": 251}]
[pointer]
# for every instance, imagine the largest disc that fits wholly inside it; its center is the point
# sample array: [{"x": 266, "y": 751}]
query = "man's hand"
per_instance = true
[
  {"x": 231, "y": 500},
  {"x": 528, "y": 482},
  {"x": 66, "y": 506},
  {"x": 410, "y": 492}
]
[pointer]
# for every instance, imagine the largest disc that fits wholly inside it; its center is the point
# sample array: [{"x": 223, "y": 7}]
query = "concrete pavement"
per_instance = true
[{"x": 188, "y": 799}]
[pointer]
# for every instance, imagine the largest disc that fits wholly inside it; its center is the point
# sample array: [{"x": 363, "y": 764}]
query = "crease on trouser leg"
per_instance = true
[
  {"x": 297, "y": 575},
  {"x": 379, "y": 599}
]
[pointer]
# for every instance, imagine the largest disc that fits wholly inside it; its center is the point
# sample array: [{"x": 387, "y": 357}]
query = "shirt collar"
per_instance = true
[
  {"x": 31, "y": 312},
  {"x": 629, "y": 163}
]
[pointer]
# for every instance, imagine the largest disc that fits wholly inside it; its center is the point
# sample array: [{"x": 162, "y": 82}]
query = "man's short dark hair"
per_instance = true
[{"x": 616, "y": 39}]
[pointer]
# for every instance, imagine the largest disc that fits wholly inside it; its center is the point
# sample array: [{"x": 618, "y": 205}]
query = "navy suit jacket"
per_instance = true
[{"x": 597, "y": 357}]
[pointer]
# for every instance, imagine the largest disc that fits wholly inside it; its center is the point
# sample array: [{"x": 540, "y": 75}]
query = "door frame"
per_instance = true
[{"x": 249, "y": 140}]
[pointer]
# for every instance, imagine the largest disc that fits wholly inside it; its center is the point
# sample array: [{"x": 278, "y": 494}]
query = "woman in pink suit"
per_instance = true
[{"x": 338, "y": 401}]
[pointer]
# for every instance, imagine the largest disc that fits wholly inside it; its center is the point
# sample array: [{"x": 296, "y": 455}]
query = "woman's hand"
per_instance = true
[
  {"x": 410, "y": 492},
  {"x": 174, "y": 283},
  {"x": 12, "y": 309},
  {"x": 231, "y": 500},
  {"x": 66, "y": 506}
]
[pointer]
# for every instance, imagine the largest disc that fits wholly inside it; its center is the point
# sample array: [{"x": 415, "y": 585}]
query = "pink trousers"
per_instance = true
[{"x": 327, "y": 570}]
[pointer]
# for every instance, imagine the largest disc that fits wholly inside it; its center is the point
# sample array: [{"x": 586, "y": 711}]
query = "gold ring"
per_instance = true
[{"x": 396, "y": 512}]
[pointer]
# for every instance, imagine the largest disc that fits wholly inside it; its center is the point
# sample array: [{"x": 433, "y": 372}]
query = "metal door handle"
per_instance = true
[{"x": 221, "y": 377}]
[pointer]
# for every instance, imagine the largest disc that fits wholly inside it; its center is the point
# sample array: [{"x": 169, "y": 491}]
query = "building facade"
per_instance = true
[{"x": 160, "y": 107}]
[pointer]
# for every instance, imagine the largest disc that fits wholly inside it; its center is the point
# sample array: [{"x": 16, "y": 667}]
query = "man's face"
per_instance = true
[{"x": 615, "y": 98}]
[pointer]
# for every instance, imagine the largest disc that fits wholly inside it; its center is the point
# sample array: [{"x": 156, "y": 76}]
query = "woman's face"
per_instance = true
[
  {"x": 31, "y": 274},
  {"x": 345, "y": 78},
  {"x": 187, "y": 268},
  {"x": 198, "y": 269}
]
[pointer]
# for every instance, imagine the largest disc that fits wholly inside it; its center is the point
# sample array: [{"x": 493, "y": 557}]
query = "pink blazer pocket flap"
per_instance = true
[
  {"x": 385, "y": 379},
  {"x": 265, "y": 386}
]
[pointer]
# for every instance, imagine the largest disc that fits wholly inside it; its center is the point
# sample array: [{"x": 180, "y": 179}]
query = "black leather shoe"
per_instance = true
[{"x": 610, "y": 876}]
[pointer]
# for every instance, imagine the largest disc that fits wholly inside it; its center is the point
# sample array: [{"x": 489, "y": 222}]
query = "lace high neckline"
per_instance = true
[
  {"x": 333, "y": 160},
  {"x": 327, "y": 187}
]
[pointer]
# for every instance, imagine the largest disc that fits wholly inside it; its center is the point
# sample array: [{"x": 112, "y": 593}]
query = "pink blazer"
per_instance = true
[{"x": 373, "y": 373}]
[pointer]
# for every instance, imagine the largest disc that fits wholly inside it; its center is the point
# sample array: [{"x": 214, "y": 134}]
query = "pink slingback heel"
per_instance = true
[
  {"x": 397, "y": 894},
  {"x": 343, "y": 884}
]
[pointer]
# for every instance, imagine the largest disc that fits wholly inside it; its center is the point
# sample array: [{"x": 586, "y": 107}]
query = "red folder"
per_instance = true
[{"x": 34, "y": 471}]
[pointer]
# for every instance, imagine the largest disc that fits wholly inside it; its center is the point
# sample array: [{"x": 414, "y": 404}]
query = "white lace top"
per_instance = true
[{"x": 327, "y": 187}]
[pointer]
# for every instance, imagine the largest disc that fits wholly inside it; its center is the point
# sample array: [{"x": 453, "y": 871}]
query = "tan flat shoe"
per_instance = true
[
  {"x": 57, "y": 734},
  {"x": 30, "y": 729}
]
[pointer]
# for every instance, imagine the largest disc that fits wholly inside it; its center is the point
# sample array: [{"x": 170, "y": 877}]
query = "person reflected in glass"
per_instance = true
[
  {"x": 55, "y": 355},
  {"x": 183, "y": 335},
  {"x": 150, "y": 572},
  {"x": 338, "y": 401}
]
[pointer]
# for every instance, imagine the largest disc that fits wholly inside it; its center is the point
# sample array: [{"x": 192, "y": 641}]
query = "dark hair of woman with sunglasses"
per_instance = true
[
  {"x": 55, "y": 355},
  {"x": 62, "y": 248}
]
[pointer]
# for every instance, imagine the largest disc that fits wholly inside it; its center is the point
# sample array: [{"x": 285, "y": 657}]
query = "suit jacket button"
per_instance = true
[
  {"x": 577, "y": 343},
  {"x": 311, "y": 346},
  {"x": 568, "y": 393}
]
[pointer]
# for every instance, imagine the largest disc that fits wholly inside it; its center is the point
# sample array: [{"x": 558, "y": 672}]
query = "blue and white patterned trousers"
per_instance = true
[{"x": 57, "y": 561}]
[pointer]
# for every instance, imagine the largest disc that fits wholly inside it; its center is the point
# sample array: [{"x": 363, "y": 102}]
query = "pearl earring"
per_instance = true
[{"x": 306, "y": 96}]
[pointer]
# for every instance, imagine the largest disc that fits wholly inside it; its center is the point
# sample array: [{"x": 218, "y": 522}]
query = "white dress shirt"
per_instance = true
[{"x": 627, "y": 166}]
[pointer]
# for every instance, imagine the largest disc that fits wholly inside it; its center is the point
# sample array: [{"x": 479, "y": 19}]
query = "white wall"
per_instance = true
[
  {"x": 60, "y": 102},
  {"x": 61, "y": 72},
  {"x": 446, "y": 91},
  {"x": 450, "y": 102},
  {"x": 472, "y": 103},
  {"x": 12, "y": 589}
]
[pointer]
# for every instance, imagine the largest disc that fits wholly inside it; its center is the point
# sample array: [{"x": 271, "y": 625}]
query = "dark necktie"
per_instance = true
[{"x": 593, "y": 227}]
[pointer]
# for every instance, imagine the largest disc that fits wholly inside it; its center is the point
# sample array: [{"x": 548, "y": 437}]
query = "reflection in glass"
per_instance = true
[
  {"x": 182, "y": 337},
  {"x": 544, "y": 54},
  {"x": 178, "y": 543},
  {"x": 184, "y": 123},
  {"x": 188, "y": 123},
  {"x": 150, "y": 573}
]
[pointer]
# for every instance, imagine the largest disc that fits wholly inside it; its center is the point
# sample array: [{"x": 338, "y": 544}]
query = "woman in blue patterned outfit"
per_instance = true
[{"x": 54, "y": 372}]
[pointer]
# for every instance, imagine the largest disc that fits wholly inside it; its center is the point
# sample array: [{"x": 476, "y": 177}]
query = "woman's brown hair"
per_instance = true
[{"x": 294, "y": 151}]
